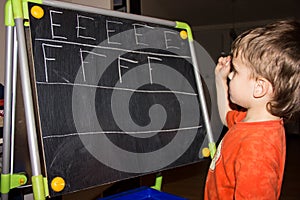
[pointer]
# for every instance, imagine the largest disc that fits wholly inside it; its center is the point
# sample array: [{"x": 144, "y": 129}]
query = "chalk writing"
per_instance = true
[
  {"x": 150, "y": 68},
  {"x": 44, "y": 45},
  {"x": 53, "y": 25},
  {"x": 141, "y": 36},
  {"x": 83, "y": 62},
  {"x": 167, "y": 39},
  {"x": 79, "y": 17},
  {"x": 138, "y": 35},
  {"x": 109, "y": 30},
  {"x": 123, "y": 66}
]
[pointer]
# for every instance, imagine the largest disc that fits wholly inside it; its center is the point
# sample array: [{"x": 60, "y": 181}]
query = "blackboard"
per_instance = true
[{"x": 116, "y": 97}]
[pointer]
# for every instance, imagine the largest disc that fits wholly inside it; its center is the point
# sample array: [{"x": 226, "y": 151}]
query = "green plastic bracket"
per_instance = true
[
  {"x": 38, "y": 187},
  {"x": 17, "y": 180},
  {"x": 46, "y": 188},
  {"x": 5, "y": 183},
  {"x": 212, "y": 149},
  {"x": 25, "y": 11},
  {"x": 188, "y": 29},
  {"x": 8, "y": 14},
  {"x": 158, "y": 183},
  {"x": 39, "y": 184},
  {"x": 11, "y": 181},
  {"x": 17, "y": 6}
]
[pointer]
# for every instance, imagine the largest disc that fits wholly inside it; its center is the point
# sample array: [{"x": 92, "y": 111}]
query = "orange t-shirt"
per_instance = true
[{"x": 249, "y": 162}]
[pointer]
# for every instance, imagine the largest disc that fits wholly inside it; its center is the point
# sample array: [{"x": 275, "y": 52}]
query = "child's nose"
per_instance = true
[{"x": 230, "y": 75}]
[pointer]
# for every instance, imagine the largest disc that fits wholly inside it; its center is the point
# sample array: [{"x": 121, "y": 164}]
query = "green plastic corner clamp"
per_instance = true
[
  {"x": 212, "y": 149},
  {"x": 25, "y": 8},
  {"x": 11, "y": 181},
  {"x": 46, "y": 188},
  {"x": 25, "y": 12},
  {"x": 188, "y": 29},
  {"x": 158, "y": 183}
]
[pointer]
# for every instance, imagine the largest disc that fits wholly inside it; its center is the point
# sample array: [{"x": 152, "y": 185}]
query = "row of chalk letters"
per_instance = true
[
  {"x": 112, "y": 27},
  {"x": 120, "y": 60}
]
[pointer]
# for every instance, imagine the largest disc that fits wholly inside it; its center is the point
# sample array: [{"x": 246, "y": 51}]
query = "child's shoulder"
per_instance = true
[{"x": 264, "y": 133}]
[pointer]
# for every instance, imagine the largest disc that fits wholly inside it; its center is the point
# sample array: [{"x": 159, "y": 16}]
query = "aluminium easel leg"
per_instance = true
[
  {"x": 211, "y": 142},
  {"x": 13, "y": 101},
  {"x": 5, "y": 174}
]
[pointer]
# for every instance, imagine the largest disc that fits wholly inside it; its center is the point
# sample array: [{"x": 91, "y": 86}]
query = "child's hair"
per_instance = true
[{"x": 273, "y": 52}]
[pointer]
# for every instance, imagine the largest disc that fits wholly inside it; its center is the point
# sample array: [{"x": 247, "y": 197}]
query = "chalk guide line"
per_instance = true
[
  {"x": 111, "y": 48},
  {"x": 116, "y": 88},
  {"x": 121, "y": 132}
]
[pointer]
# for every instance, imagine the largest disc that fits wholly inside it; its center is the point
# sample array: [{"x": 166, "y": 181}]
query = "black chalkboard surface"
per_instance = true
[{"x": 116, "y": 97}]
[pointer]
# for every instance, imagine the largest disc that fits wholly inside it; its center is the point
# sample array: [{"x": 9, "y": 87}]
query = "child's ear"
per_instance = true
[{"x": 261, "y": 87}]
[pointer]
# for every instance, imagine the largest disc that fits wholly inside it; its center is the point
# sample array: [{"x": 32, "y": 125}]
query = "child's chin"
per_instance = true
[{"x": 233, "y": 103}]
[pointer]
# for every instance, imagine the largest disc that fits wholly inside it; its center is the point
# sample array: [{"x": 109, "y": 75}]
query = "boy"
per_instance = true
[{"x": 264, "y": 74}]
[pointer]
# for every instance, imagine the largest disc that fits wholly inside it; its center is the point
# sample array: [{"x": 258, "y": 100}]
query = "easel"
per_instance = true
[{"x": 16, "y": 11}]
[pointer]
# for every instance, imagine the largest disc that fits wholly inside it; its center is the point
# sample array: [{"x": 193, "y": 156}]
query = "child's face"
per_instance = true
[{"x": 241, "y": 84}]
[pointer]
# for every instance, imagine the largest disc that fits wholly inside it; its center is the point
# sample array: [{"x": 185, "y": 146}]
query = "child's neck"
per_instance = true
[{"x": 257, "y": 115}]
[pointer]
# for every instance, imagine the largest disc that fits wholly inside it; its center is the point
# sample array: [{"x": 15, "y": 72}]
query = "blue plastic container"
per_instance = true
[{"x": 142, "y": 193}]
